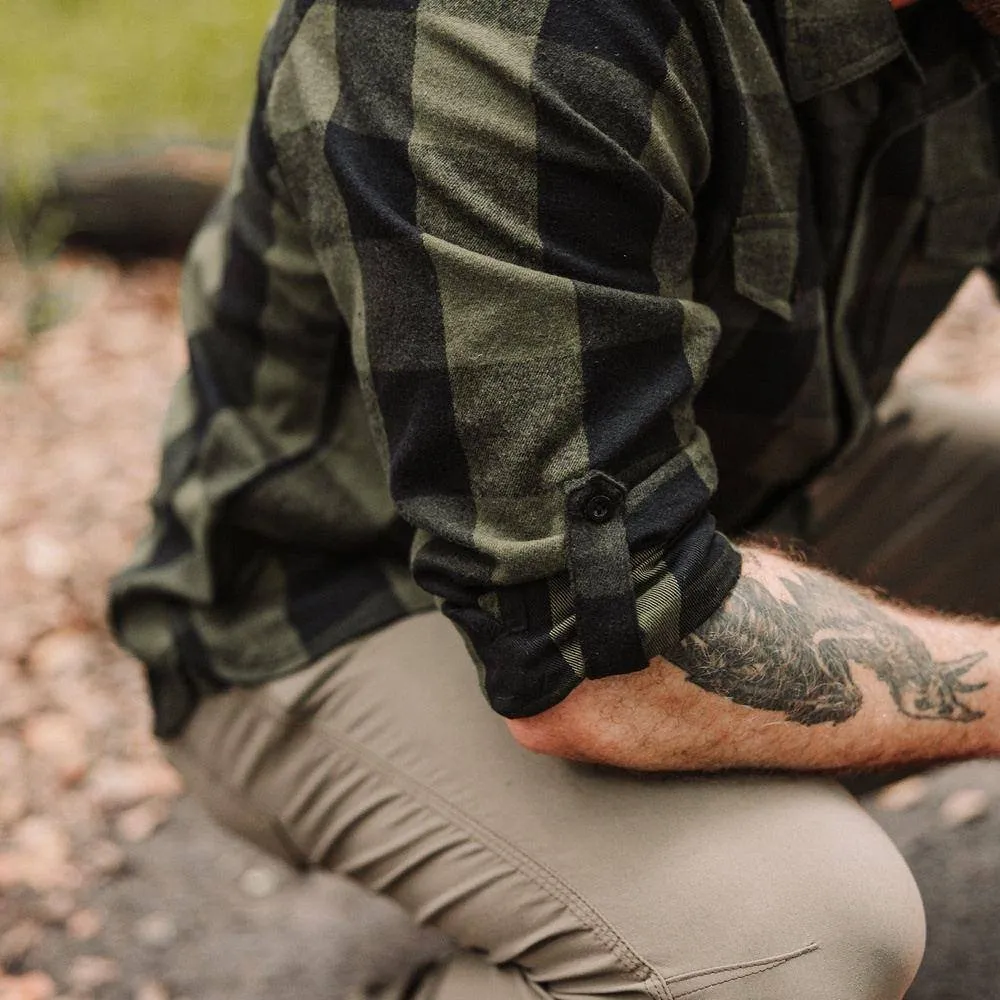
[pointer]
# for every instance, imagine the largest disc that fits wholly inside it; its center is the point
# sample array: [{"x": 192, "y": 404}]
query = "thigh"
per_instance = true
[
  {"x": 916, "y": 510},
  {"x": 387, "y": 765}
]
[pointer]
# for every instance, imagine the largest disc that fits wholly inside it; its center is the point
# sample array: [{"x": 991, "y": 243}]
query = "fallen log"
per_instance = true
[{"x": 134, "y": 205}]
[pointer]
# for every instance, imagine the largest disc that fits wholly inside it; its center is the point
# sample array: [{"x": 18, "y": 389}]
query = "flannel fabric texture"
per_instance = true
[{"x": 488, "y": 279}]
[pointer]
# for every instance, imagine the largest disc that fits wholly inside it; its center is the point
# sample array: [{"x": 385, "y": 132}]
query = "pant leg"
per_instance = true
[
  {"x": 916, "y": 510},
  {"x": 557, "y": 880}
]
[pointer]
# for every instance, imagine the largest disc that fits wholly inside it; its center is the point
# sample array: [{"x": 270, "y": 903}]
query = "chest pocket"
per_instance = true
[
  {"x": 962, "y": 191},
  {"x": 765, "y": 256},
  {"x": 955, "y": 229},
  {"x": 962, "y": 231},
  {"x": 958, "y": 234}
]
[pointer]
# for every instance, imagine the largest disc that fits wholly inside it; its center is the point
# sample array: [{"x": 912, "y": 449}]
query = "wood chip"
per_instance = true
[
  {"x": 33, "y": 986},
  {"x": 63, "y": 651},
  {"x": 259, "y": 883},
  {"x": 116, "y": 785},
  {"x": 46, "y": 557},
  {"x": 91, "y": 972},
  {"x": 157, "y": 930},
  {"x": 84, "y": 925},
  {"x": 60, "y": 740},
  {"x": 39, "y": 858},
  {"x": 139, "y": 823},
  {"x": 17, "y": 942},
  {"x": 18, "y": 701},
  {"x": 55, "y": 907},
  {"x": 151, "y": 990},
  {"x": 105, "y": 857},
  {"x": 966, "y": 805},
  {"x": 13, "y": 780},
  {"x": 903, "y": 795}
]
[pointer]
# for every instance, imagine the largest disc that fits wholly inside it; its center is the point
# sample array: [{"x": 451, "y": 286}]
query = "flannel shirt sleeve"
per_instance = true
[{"x": 503, "y": 199}]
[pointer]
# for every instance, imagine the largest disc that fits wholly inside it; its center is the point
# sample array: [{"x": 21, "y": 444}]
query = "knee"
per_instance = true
[
  {"x": 873, "y": 948},
  {"x": 805, "y": 896},
  {"x": 868, "y": 925}
]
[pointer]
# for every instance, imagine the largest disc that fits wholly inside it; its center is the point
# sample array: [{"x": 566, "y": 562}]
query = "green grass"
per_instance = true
[{"x": 98, "y": 75}]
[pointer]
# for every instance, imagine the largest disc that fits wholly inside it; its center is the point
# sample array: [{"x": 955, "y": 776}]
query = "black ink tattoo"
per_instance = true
[{"x": 795, "y": 658}]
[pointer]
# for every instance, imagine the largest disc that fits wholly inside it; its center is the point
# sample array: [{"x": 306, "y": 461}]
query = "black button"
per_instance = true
[{"x": 600, "y": 508}]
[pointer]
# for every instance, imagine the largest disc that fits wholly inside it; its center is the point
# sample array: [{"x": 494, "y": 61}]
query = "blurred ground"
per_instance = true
[
  {"x": 107, "y": 887},
  {"x": 111, "y": 886}
]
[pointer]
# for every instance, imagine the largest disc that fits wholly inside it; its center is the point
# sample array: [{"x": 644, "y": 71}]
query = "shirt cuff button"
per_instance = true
[{"x": 599, "y": 509}]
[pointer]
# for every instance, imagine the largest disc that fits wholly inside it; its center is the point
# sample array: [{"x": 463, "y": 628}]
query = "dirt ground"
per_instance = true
[{"x": 112, "y": 884}]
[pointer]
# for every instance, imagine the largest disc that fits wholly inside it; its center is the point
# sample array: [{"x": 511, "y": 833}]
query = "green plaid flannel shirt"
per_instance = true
[{"x": 489, "y": 278}]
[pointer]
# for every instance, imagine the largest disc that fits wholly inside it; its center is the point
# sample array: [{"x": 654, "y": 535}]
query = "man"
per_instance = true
[{"x": 488, "y": 280}]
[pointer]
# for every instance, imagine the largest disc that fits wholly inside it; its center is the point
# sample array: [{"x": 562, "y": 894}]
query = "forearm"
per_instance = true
[{"x": 796, "y": 671}]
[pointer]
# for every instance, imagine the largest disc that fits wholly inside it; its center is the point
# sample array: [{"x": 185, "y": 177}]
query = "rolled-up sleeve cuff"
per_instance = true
[{"x": 618, "y": 605}]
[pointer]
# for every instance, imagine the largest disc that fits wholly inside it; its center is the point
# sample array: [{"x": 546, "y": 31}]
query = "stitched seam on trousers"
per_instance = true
[
  {"x": 742, "y": 971},
  {"x": 524, "y": 865}
]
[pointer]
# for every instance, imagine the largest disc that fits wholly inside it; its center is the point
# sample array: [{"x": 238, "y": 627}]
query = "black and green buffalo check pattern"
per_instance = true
[{"x": 514, "y": 306}]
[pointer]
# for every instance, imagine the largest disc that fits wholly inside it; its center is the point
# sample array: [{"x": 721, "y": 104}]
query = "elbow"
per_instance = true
[
  {"x": 565, "y": 730},
  {"x": 540, "y": 736},
  {"x": 625, "y": 721}
]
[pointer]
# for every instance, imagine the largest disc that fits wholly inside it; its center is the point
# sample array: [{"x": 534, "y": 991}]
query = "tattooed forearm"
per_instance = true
[{"x": 796, "y": 656}]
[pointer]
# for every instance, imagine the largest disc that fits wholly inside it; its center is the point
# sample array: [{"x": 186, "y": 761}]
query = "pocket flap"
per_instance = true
[{"x": 765, "y": 256}]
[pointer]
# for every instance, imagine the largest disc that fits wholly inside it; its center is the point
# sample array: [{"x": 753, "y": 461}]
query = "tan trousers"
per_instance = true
[{"x": 384, "y": 763}]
